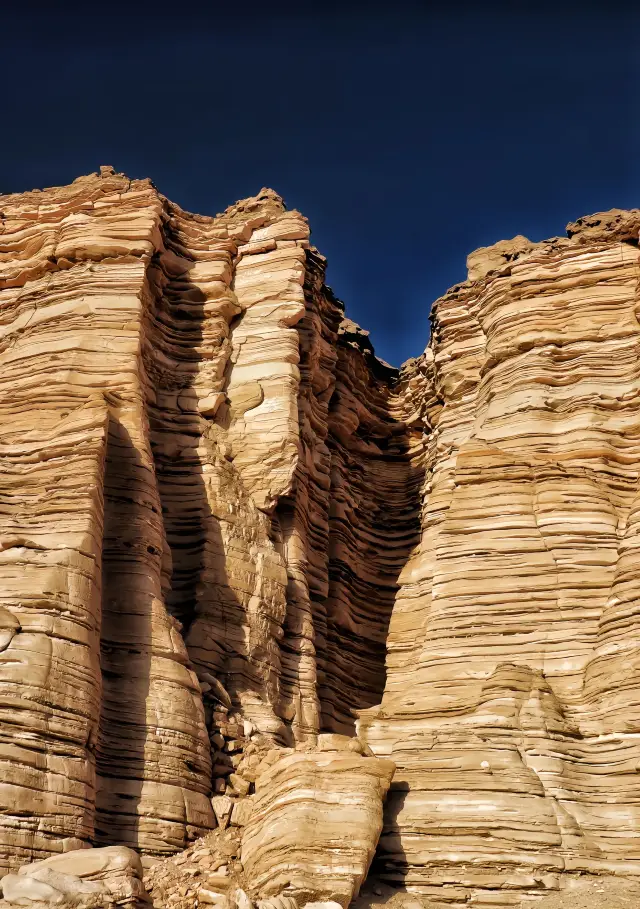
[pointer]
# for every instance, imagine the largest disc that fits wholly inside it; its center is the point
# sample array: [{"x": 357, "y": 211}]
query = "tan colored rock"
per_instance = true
[
  {"x": 210, "y": 865},
  {"x": 242, "y": 811},
  {"x": 9, "y": 626},
  {"x": 208, "y": 406},
  {"x": 239, "y": 899},
  {"x": 509, "y": 702},
  {"x": 84, "y": 878},
  {"x": 491, "y": 258},
  {"x": 278, "y": 902},
  {"x": 222, "y": 806},
  {"x": 211, "y": 897},
  {"x": 314, "y": 827},
  {"x": 613, "y": 225},
  {"x": 49, "y": 887},
  {"x": 326, "y": 904},
  {"x": 232, "y": 540}
]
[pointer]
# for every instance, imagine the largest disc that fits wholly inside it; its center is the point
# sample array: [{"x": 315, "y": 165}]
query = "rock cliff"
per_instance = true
[{"x": 250, "y": 574}]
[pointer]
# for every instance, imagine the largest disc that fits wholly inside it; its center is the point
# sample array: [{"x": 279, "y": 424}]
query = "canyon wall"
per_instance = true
[
  {"x": 229, "y": 531},
  {"x": 510, "y": 707}
]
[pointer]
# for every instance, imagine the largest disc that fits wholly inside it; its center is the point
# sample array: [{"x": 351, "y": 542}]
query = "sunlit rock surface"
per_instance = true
[
  {"x": 79, "y": 879},
  {"x": 511, "y": 701},
  {"x": 233, "y": 541},
  {"x": 315, "y": 822}
]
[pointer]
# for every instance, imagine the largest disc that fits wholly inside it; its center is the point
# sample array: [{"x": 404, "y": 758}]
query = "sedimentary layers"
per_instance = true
[
  {"x": 315, "y": 820},
  {"x": 226, "y": 527},
  {"x": 85, "y": 538},
  {"x": 512, "y": 651},
  {"x": 181, "y": 553}
]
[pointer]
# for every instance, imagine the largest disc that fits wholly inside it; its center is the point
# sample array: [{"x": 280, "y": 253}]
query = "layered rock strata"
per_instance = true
[
  {"x": 315, "y": 822},
  {"x": 306, "y": 835},
  {"x": 83, "y": 878},
  {"x": 227, "y": 528},
  {"x": 174, "y": 563},
  {"x": 511, "y": 686}
]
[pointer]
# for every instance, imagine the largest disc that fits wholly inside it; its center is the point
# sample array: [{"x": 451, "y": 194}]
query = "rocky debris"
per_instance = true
[
  {"x": 589, "y": 893},
  {"x": 82, "y": 878},
  {"x": 309, "y": 834},
  {"x": 209, "y": 872},
  {"x": 578, "y": 892}
]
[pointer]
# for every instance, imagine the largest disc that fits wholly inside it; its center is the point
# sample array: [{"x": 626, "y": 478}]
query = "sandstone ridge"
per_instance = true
[{"x": 253, "y": 577}]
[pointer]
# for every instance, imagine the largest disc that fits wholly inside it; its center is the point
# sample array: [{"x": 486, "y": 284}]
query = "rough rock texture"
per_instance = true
[
  {"x": 176, "y": 574},
  {"x": 228, "y": 530},
  {"x": 309, "y": 833},
  {"x": 82, "y": 878},
  {"x": 512, "y": 678},
  {"x": 315, "y": 822}
]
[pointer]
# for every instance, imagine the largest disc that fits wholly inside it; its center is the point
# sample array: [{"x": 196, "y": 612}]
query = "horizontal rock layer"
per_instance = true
[
  {"x": 82, "y": 878},
  {"x": 315, "y": 822}
]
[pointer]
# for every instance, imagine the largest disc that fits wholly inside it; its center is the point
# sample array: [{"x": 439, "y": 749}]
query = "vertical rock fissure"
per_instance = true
[
  {"x": 153, "y": 756},
  {"x": 125, "y": 662},
  {"x": 293, "y": 539},
  {"x": 172, "y": 360}
]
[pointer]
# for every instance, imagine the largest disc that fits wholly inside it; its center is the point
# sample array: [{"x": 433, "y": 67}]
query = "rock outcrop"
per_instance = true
[
  {"x": 315, "y": 821},
  {"x": 84, "y": 878},
  {"x": 232, "y": 540},
  {"x": 512, "y": 673}
]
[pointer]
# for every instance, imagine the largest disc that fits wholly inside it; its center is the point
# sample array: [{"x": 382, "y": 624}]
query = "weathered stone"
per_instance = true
[
  {"x": 222, "y": 806},
  {"x": 9, "y": 627},
  {"x": 212, "y": 897},
  {"x": 512, "y": 677},
  {"x": 491, "y": 258},
  {"x": 208, "y": 406},
  {"x": 235, "y": 545},
  {"x": 240, "y": 785},
  {"x": 239, "y": 899},
  {"x": 84, "y": 878},
  {"x": 278, "y": 902},
  {"x": 315, "y": 823},
  {"x": 325, "y": 904},
  {"x": 242, "y": 811}
]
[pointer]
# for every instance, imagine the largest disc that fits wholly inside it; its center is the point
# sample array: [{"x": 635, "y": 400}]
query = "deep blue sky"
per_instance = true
[{"x": 409, "y": 135}]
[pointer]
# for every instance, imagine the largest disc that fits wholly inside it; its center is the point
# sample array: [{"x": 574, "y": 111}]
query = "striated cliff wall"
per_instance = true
[
  {"x": 184, "y": 562},
  {"x": 228, "y": 532},
  {"x": 512, "y": 675}
]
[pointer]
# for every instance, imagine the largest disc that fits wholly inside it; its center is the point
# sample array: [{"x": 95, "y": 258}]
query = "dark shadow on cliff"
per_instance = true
[
  {"x": 198, "y": 587},
  {"x": 374, "y": 527},
  {"x": 388, "y": 869},
  {"x": 130, "y": 546},
  {"x": 183, "y": 444},
  {"x": 154, "y": 510}
]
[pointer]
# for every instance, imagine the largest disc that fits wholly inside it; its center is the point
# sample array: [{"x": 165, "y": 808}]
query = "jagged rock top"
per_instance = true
[{"x": 608, "y": 226}]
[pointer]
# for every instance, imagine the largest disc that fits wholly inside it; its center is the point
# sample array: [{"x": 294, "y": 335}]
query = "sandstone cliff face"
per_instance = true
[
  {"x": 513, "y": 649},
  {"x": 227, "y": 528},
  {"x": 175, "y": 576}
]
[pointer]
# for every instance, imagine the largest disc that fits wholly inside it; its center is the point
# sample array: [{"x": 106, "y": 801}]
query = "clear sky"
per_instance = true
[{"x": 408, "y": 133}]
